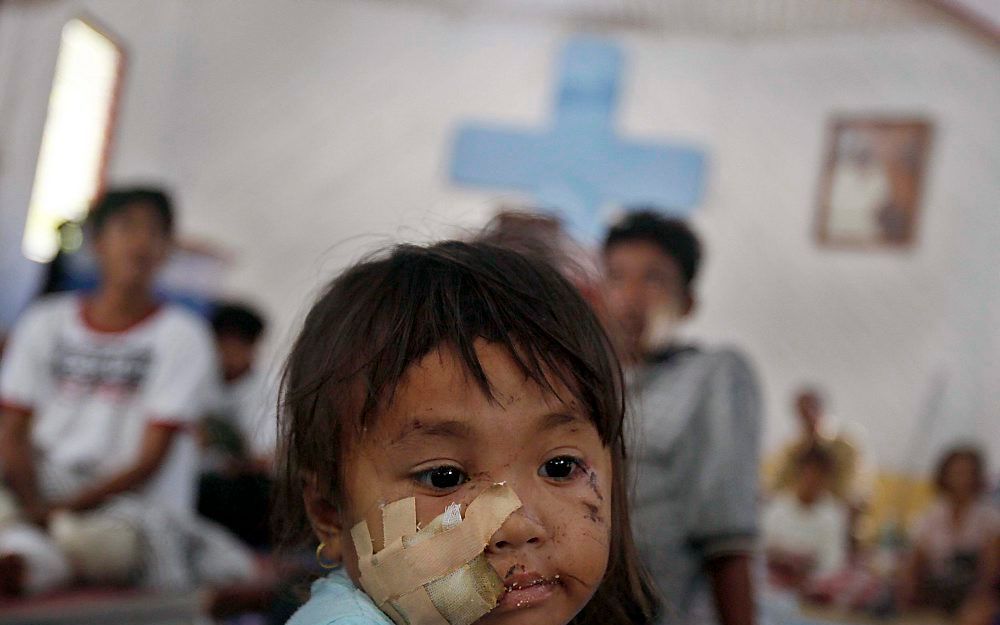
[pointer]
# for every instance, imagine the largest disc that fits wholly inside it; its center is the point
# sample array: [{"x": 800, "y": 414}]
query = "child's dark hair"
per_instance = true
[
  {"x": 114, "y": 201},
  {"x": 673, "y": 236},
  {"x": 382, "y": 316},
  {"x": 963, "y": 452},
  {"x": 816, "y": 456},
  {"x": 239, "y": 320}
]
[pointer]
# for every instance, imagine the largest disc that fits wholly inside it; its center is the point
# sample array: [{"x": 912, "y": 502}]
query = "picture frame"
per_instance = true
[{"x": 872, "y": 181}]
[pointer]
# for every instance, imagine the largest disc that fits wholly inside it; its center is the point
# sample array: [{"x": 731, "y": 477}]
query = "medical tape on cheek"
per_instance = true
[
  {"x": 438, "y": 575},
  {"x": 363, "y": 547},
  {"x": 399, "y": 518}
]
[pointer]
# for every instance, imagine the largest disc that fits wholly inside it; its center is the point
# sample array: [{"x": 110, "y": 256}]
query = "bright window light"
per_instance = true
[{"x": 76, "y": 137}]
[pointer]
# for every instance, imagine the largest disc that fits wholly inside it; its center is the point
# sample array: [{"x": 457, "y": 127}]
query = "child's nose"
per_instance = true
[{"x": 519, "y": 530}]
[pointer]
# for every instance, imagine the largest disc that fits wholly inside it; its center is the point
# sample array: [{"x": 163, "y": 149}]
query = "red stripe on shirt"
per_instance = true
[
  {"x": 16, "y": 408},
  {"x": 170, "y": 424},
  {"x": 94, "y": 326}
]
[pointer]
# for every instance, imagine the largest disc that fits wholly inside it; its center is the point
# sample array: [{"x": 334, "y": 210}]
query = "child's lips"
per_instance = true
[{"x": 525, "y": 590}]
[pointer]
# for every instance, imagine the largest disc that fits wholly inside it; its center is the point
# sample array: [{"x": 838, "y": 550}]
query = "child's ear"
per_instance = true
[
  {"x": 324, "y": 517},
  {"x": 689, "y": 305}
]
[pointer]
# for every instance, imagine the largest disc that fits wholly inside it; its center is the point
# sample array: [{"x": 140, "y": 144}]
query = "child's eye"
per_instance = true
[
  {"x": 442, "y": 478},
  {"x": 560, "y": 468}
]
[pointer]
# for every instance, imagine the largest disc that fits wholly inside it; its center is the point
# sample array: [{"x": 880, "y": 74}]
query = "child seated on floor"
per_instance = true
[
  {"x": 805, "y": 529},
  {"x": 238, "y": 433}
]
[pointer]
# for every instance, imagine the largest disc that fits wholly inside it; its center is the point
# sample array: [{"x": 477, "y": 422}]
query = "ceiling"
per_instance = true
[{"x": 741, "y": 18}]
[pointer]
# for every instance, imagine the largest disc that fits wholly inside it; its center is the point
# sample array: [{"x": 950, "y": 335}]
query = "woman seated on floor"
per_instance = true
[{"x": 955, "y": 545}]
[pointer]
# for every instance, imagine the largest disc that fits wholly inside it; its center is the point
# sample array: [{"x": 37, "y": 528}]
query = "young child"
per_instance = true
[
  {"x": 238, "y": 435},
  {"x": 437, "y": 373},
  {"x": 806, "y": 529}
]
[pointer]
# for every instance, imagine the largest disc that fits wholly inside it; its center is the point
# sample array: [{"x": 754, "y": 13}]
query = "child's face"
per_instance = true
[
  {"x": 131, "y": 246},
  {"x": 236, "y": 355},
  {"x": 645, "y": 287},
  {"x": 960, "y": 477},
  {"x": 442, "y": 441}
]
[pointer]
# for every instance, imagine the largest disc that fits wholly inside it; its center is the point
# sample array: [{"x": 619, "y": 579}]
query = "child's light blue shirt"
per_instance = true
[{"x": 335, "y": 600}]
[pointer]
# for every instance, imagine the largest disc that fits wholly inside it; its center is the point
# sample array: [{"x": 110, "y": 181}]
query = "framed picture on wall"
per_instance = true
[{"x": 871, "y": 183}]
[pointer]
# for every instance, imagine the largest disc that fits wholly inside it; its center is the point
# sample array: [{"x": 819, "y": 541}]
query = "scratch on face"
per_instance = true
[
  {"x": 593, "y": 486},
  {"x": 593, "y": 513}
]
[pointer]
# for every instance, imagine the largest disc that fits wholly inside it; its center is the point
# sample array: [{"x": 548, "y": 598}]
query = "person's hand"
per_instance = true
[
  {"x": 787, "y": 569},
  {"x": 39, "y": 514},
  {"x": 979, "y": 609}
]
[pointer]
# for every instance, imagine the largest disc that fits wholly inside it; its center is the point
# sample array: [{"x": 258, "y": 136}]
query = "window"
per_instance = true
[{"x": 76, "y": 136}]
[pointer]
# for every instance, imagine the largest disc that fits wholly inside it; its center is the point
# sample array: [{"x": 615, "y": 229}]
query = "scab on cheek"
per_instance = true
[
  {"x": 593, "y": 503},
  {"x": 592, "y": 482},
  {"x": 593, "y": 513}
]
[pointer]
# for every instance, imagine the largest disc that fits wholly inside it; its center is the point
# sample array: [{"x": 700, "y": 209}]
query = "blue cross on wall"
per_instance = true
[{"x": 579, "y": 165}]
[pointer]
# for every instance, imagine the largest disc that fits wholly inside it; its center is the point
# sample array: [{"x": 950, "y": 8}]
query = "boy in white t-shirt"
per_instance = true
[
  {"x": 98, "y": 394},
  {"x": 806, "y": 527}
]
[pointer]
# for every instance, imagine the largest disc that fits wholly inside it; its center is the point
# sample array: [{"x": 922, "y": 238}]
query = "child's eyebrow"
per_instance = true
[
  {"x": 439, "y": 429},
  {"x": 555, "y": 420}
]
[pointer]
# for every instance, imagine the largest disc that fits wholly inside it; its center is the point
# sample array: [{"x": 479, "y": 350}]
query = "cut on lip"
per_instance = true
[{"x": 520, "y": 582}]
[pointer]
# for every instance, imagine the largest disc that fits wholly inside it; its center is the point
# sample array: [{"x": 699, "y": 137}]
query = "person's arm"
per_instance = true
[
  {"x": 908, "y": 578},
  {"x": 914, "y": 564},
  {"x": 732, "y": 588},
  {"x": 17, "y": 462},
  {"x": 24, "y": 375},
  {"x": 725, "y": 520},
  {"x": 156, "y": 443}
]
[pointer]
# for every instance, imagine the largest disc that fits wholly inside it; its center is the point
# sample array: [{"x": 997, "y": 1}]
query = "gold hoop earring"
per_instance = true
[{"x": 326, "y": 564}]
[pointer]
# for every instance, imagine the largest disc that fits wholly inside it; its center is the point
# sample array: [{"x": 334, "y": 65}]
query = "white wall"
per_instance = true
[
  {"x": 143, "y": 149},
  {"x": 300, "y": 134}
]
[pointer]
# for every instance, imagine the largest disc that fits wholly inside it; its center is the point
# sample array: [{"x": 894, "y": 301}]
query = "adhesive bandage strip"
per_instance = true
[{"x": 438, "y": 575}]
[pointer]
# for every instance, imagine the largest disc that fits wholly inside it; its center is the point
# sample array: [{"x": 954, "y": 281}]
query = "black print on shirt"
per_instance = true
[{"x": 95, "y": 369}]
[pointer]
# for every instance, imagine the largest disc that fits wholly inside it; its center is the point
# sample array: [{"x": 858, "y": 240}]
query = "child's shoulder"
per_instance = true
[
  {"x": 53, "y": 305},
  {"x": 334, "y": 600},
  {"x": 709, "y": 364}
]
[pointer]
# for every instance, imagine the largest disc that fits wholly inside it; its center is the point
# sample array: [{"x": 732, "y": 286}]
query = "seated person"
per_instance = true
[
  {"x": 806, "y": 529},
  {"x": 843, "y": 452},
  {"x": 98, "y": 392},
  {"x": 240, "y": 430},
  {"x": 954, "y": 548},
  {"x": 983, "y": 606}
]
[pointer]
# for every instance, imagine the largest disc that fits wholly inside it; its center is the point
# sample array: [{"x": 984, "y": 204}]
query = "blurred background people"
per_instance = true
[
  {"x": 697, "y": 415},
  {"x": 954, "y": 549},
  {"x": 805, "y": 528},
  {"x": 816, "y": 432},
  {"x": 238, "y": 432}
]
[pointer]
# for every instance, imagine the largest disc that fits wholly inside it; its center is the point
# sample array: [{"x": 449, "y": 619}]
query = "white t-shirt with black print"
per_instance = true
[{"x": 92, "y": 394}]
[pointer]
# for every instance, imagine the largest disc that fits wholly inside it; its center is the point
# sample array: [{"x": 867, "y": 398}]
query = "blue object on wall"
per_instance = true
[{"x": 580, "y": 165}]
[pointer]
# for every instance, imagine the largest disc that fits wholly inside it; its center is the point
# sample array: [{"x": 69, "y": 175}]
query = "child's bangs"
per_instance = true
[{"x": 453, "y": 295}]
